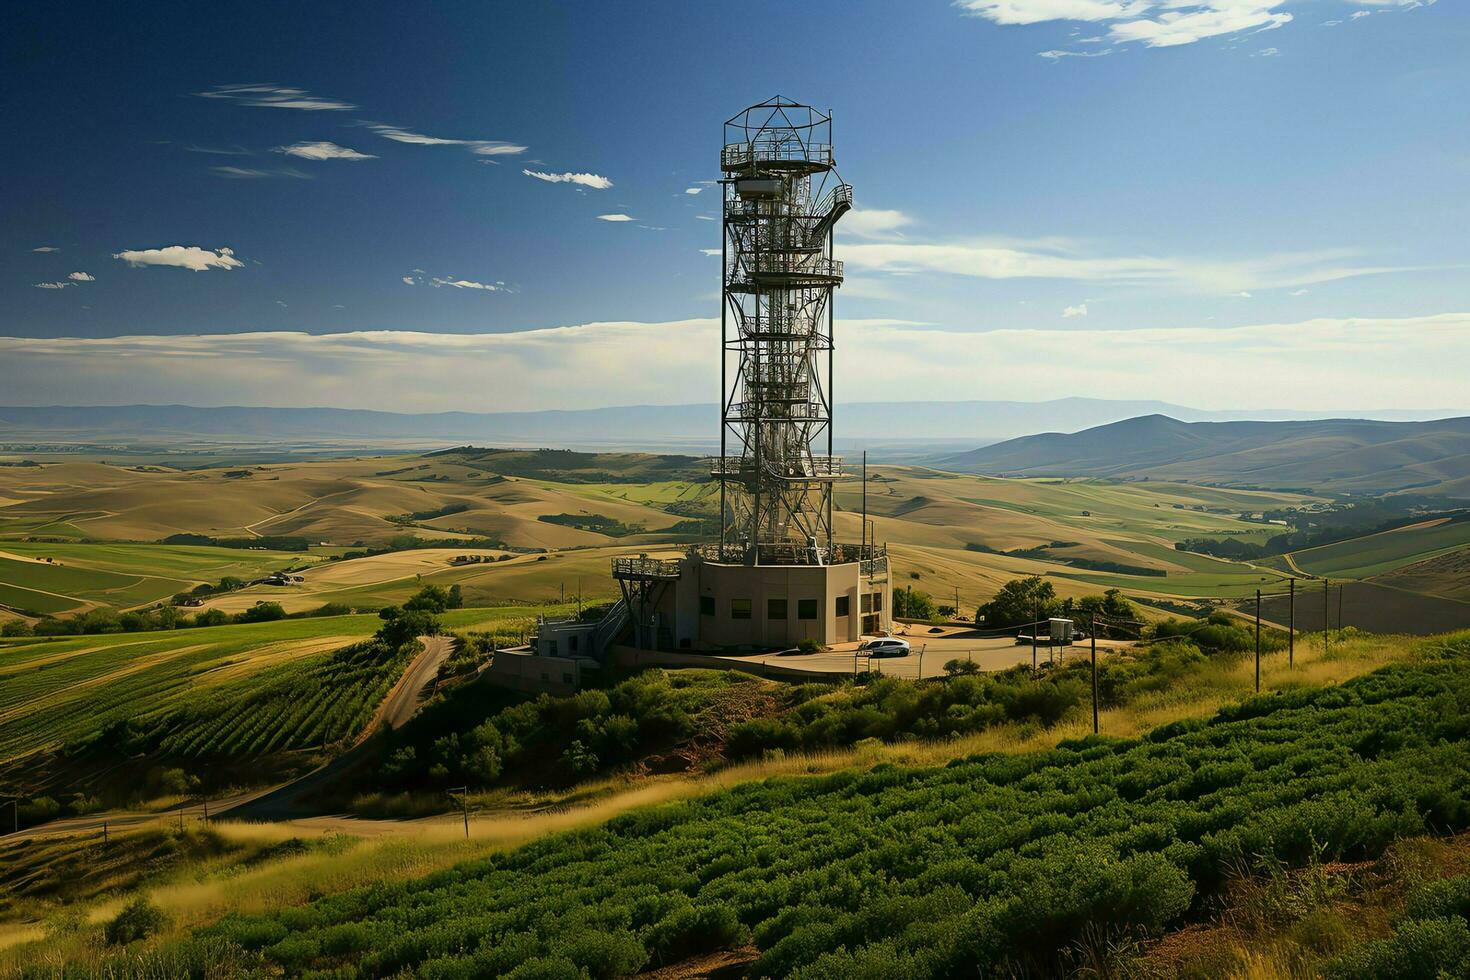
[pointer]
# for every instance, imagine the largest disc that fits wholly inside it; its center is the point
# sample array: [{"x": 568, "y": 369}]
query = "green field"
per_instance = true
[
  {"x": 1376, "y": 554},
  {"x": 59, "y": 690},
  {"x": 993, "y": 865},
  {"x": 121, "y": 576}
]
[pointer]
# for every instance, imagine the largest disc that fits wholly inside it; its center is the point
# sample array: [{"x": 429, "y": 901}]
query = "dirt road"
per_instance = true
[{"x": 414, "y": 685}]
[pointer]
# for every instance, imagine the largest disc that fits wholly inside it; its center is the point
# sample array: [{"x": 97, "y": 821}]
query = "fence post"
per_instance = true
[
  {"x": 922, "y": 648},
  {"x": 1326, "y": 618},
  {"x": 1092, "y": 633},
  {"x": 1258, "y": 641},
  {"x": 1291, "y": 626}
]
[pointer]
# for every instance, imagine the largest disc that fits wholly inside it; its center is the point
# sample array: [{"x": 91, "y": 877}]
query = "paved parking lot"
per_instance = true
[{"x": 929, "y": 653}]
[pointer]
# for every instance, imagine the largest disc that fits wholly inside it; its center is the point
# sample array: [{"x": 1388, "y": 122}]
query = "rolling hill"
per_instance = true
[
  {"x": 966, "y": 423},
  {"x": 1343, "y": 455}
]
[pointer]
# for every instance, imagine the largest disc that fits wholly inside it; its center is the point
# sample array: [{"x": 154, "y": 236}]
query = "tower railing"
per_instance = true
[{"x": 736, "y": 156}]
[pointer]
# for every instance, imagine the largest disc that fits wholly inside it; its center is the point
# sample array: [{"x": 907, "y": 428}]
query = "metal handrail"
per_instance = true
[
  {"x": 735, "y": 155},
  {"x": 801, "y": 468},
  {"x": 644, "y": 567}
]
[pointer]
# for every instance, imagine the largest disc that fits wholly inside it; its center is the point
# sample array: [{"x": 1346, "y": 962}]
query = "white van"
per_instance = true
[{"x": 885, "y": 647}]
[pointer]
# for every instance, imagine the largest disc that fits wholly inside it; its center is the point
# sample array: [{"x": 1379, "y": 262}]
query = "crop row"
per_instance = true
[
  {"x": 288, "y": 707},
  {"x": 993, "y": 864}
]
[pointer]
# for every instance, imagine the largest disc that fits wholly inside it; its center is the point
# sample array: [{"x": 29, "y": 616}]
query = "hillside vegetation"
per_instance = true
[
  {"x": 996, "y": 863},
  {"x": 1341, "y": 455}
]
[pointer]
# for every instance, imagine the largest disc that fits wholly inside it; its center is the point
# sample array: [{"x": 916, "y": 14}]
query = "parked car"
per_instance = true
[{"x": 886, "y": 647}]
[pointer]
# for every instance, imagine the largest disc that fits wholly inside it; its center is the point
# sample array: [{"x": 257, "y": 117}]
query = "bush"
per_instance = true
[
  {"x": 1419, "y": 949},
  {"x": 139, "y": 919},
  {"x": 810, "y": 645}
]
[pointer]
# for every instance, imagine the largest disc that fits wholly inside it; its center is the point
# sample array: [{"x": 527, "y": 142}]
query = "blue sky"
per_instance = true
[{"x": 1228, "y": 203}]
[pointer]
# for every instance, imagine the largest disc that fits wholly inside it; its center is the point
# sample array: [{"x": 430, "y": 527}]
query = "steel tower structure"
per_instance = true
[{"x": 782, "y": 199}]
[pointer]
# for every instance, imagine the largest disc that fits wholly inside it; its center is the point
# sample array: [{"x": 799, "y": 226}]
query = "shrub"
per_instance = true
[
  {"x": 1419, "y": 949},
  {"x": 139, "y": 919}
]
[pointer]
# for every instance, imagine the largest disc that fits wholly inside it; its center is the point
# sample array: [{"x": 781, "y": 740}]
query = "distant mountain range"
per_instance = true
[
  {"x": 1353, "y": 455},
  {"x": 896, "y": 429}
]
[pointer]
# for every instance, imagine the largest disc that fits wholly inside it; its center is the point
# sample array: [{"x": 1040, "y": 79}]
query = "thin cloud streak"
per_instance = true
[{"x": 413, "y": 371}]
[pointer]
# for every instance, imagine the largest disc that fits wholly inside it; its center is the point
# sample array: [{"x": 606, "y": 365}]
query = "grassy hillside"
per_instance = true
[
  {"x": 996, "y": 862},
  {"x": 55, "y": 578},
  {"x": 1377, "y": 554},
  {"x": 1343, "y": 455},
  {"x": 542, "y": 526},
  {"x": 67, "y": 690}
]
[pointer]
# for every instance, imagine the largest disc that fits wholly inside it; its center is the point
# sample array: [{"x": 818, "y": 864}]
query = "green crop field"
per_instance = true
[
  {"x": 60, "y": 690},
  {"x": 1376, "y": 554},
  {"x": 121, "y": 576},
  {"x": 995, "y": 864}
]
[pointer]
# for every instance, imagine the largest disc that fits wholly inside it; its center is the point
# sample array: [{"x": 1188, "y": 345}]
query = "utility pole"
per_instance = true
[
  {"x": 1035, "y": 631},
  {"x": 464, "y": 799},
  {"x": 1258, "y": 641},
  {"x": 206, "y": 810},
  {"x": 1340, "y": 589},
  {"x": 1291, "y": 625},
  {"x": 1092, "y": 633},
  {"x": 1326, "y": 618},
  {"x": 921, "y": 660}
]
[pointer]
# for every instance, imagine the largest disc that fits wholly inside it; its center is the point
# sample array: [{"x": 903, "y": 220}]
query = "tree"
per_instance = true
[
  {"x": 261, "y": 612},
  {"x": 910, "y": 603},
  {"x": 402, "y": 626},
  {"x": 431, "y": 598},
  {"x": 1109, "y": 605},
  {"x": 1016, "y": 603}
]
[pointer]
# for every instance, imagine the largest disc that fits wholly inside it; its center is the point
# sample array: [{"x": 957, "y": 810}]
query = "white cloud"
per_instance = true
[
  {"x": 711, "y": 251},
  {"x": 616, "y": 217},
  {"x": 223, "y": 151},
  {"x": 274, "y": 97},
  {"x": 1380, "y": 362},
  {"x": 1155, "y": 23},
  {"x": 1243, "y": 294},
  {"x": 1048, "y": 259},
  {"x": 52, "y": 285},
  {"x": 873, "y": 223},
  {"x": 1360, "y": 13},
  {"x": 1036, "y": 11},
  {"x": 1058, "y": 55},
  {"x": 704, "y": 217},
  {"x": 82, "y": 277},
  {"x": 693, "y": 190},
  {"x": 254, "y": 173},
  {"x": 182, "y": 257},
  {"x": 494, "y": 287},
  {"x": 322, "y": 150},
  {"x": 1300, "y": 292},
  {"x": 1073, "y": 311},
  {"x": 483, "y": 147},
  {"x": 585, "y": 180},
  {"x": 408, "y": 280},
  {"x": 46, "y": 248},
  {"x": 1267, "y": 53}
]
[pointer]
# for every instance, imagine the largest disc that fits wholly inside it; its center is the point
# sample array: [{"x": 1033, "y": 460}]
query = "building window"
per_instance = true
[
  {"x": 706, "y": 605},
  {"x": 877, "y": 602},
  {"x": 566, "y": 678},
  {"x": 844, "y": 605},
  {"x": 572, "y": 643},
  {"x": 553, "y": 648},
  {"x": 867, "y": 602},
  {"x": 739, "y": 608},
  {"x": 775, "y": 608},
  {"x": 806, "y": 609}
]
